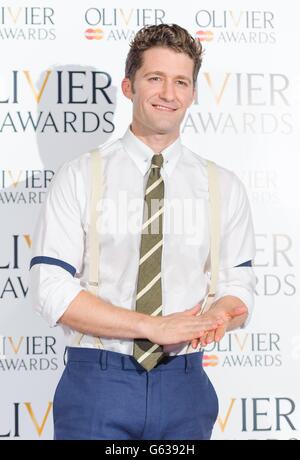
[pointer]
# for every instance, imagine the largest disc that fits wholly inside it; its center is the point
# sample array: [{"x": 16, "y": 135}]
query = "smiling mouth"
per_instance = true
[{"x": 163, "y": 108}]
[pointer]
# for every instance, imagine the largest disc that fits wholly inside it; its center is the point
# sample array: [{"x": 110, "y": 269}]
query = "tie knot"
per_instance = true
[{"x": 157, "y": 160}]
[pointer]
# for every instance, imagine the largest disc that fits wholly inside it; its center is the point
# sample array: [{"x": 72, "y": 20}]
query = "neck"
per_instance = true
[{"x": 157, "y": 142}]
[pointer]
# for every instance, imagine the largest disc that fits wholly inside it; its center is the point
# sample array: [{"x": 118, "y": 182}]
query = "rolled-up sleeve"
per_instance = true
[
  {"x": 57, "y": 248},
  {"x": 237, "y": 252}
]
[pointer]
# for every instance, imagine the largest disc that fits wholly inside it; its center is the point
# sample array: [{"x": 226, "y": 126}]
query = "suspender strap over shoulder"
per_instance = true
[
  {"x": 96, "y": 192},
  {"x": 97, "y": 181},
  {"x": 93, "y": 235},
  {"x": 215, "y": 225},
  {"x": 215, "y": 233}
]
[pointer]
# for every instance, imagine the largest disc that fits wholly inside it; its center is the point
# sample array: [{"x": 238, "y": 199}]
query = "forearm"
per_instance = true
[{"x": 91, "y": 315}]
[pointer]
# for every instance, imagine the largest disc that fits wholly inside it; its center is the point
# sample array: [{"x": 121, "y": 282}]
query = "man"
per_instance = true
[{"x": 143, "y": 384}]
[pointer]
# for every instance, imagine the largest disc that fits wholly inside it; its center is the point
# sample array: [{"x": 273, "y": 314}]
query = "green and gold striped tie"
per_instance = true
[{"x": 149, "y": 295}]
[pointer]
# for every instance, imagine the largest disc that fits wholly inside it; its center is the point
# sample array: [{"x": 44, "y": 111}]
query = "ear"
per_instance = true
[{"x": 127, "y": 88}]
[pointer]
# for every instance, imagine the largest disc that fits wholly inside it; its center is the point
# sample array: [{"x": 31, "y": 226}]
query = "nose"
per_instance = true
[{"x": 167, "y": 91}]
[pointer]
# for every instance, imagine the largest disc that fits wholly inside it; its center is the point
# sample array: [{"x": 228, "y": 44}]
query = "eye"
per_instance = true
[
  {"x": 154, "y": 78},
  {"x": 181, "y": 83}
]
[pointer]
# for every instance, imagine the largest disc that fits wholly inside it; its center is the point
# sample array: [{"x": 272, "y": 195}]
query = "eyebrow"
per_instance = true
[{"x": 157, "y": 72}]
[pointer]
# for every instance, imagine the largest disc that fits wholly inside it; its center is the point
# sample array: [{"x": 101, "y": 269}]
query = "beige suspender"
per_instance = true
[
  {"x": 93, "y": 235},
  {"x": 215, "y": 231},
  {"x": 94, "y": 241},
  {"x": 96, "y": 178}
]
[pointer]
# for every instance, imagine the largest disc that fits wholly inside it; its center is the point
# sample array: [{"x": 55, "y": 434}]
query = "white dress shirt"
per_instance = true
[{"x": 60, "y": 255}]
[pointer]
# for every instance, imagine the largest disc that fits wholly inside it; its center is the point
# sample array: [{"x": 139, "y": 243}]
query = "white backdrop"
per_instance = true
[{"x": 54, "y": 56}]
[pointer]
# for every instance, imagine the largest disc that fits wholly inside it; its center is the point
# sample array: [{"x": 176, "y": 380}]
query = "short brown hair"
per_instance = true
[{"x": 165, "y": 35}]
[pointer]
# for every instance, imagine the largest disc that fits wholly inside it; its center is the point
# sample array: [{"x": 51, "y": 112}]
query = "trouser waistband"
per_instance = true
[{"x": 112, "y": 359}]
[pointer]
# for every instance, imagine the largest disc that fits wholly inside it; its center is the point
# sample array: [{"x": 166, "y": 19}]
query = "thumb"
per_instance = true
[{"x": 194, "y": 310}]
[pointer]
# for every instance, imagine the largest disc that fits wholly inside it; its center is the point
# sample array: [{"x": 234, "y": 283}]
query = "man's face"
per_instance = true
[{"x": 162, "y": 91}]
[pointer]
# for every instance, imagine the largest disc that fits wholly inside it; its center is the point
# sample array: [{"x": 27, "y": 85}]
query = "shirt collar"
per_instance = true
[{"x": 142, "y": 154}]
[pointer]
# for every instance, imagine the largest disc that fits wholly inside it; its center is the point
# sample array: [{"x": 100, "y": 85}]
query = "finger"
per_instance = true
[
  {"x": 195, "y": 343},
  {"x": 202, "y": 340},
  {"x": 219, "y": 334},
  {"x": 210, "y": 336}
]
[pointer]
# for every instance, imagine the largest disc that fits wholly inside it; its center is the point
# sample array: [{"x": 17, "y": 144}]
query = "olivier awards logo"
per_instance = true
[
  {"x": 23, "y": 187},
  {"x": 274, "y": 265},
  {"x": 235, "y": 27},
  {"x": 63, "y": 100},
  {"x": 119, "y": 24},
  {"x": 28, "y": 354},
  {"x": 246, "y": 103},
  {"x": 244, "y": 350},
  {"x": 27, "y": 23},
  {"x": 20, "y": 416},
  {"x": 13, "y": 281},
  {"x": 259, "y": 417}
]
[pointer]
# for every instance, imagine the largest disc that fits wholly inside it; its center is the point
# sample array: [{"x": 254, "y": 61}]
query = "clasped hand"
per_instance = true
[{"x": 229, "y": 313}]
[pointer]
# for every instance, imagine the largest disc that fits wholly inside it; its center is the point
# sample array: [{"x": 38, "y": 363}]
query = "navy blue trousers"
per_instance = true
[{"x": 108, "y": 395}]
